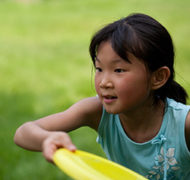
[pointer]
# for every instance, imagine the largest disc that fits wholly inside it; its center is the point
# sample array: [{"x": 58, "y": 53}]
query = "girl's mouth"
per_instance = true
[{"x": 109, "y": 99}]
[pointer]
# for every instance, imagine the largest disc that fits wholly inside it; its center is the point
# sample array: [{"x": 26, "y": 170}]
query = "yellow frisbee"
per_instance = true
[{"x": 82, "y": 165}]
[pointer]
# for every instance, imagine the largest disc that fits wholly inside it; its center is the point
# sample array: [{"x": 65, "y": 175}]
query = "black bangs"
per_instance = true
[
  {"x": 124, "y": 40},
  {"x": 122, "y": 37}
]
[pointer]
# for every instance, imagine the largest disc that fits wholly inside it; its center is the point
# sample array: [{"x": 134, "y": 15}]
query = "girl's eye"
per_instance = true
[
  {"x": 98, "y": 69},
  {"x": 119, "y": 70}
]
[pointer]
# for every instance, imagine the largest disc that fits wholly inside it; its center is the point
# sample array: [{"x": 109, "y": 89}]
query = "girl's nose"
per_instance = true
[{"x": 106, "y": 83}]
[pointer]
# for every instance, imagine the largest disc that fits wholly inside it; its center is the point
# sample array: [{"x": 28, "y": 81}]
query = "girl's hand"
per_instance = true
[{"x": 55, "y": 141}]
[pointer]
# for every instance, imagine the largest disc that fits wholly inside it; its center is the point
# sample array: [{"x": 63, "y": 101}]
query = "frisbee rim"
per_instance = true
[{"x": 63, "y": 162}]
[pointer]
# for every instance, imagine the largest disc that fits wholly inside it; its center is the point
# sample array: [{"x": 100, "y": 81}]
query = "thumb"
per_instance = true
[{"x": 48, "y": 152}]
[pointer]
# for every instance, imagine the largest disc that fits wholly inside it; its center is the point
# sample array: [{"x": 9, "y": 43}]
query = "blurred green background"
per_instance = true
[{"x": 45, "y": 66}]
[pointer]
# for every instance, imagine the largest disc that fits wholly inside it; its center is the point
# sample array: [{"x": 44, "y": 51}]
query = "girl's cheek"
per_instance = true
[{"x": 96, "y": 85}]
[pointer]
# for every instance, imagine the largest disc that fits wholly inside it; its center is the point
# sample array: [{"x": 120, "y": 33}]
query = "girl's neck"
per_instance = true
[{"x": 144, "y": 124}]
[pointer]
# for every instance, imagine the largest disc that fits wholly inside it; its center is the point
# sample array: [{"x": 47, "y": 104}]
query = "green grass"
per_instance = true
[{"x": 45, "y": 66}]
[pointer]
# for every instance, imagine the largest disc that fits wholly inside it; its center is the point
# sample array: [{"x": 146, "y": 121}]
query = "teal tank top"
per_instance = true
[{"x": 166, "y": 156}]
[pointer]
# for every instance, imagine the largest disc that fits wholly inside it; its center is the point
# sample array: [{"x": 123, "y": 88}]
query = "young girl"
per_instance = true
[{"x": 139, "y": 111}]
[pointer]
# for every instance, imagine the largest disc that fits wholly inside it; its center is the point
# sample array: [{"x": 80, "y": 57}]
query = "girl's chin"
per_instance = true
[{"x": 111, "y": 111}]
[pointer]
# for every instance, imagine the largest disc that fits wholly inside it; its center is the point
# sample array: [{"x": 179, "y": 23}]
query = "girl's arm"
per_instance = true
[
  {"x": 187, "y": 130},
  {"x": 50, "y": 133}
]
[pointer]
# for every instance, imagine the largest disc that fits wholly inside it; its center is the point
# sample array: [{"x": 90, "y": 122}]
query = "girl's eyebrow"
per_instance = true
[{"x": 115, "y": 61}]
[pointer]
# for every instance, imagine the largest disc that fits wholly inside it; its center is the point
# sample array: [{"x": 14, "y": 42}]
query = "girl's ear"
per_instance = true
[{"x": 160, "y": 77}]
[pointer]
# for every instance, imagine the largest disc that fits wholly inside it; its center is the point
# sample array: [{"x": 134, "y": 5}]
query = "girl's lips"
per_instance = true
[{"x": 109, "y": 99}]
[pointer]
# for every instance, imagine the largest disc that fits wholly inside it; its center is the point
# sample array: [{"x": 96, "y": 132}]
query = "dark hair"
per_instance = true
[{"x": 147, "y": 40}]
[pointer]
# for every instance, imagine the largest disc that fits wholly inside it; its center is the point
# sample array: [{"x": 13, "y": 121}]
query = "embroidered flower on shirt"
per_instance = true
[{"x": 171, "y": 164}]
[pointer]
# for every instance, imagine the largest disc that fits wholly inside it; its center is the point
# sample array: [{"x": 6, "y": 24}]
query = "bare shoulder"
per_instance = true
[
  {"x": 187, "y": 130},
  {"x": 91, "y": 110}
]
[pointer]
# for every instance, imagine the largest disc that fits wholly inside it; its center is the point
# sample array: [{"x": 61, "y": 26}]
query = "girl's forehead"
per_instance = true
[
  {"x": 105, "y": 45},
  {"x": 106, "y": 54},
  {"x": 105, "y": 50}
]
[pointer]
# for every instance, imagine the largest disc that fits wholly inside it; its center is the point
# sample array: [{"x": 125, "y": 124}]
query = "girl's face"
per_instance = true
[{"x": 121, "y": 86}]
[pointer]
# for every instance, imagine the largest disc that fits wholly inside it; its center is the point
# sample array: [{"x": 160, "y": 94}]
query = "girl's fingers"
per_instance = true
[
  {"x": 55, "y": 141},
  {"x": 67, "y": 143},
  {"x": 48, "y": 152}
]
